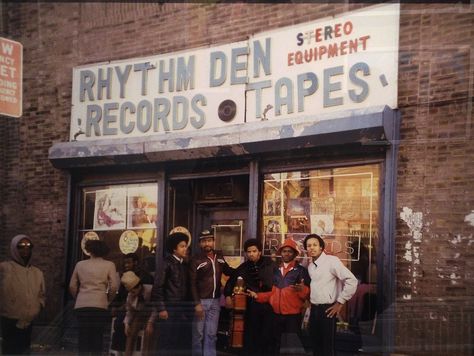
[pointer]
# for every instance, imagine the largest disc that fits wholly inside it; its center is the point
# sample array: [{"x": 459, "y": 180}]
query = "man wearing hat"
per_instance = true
[
  {"x": 289, "y": 292},
  {"x": 137, "y": 311},
  {"x": 171, "y": 297},
  {"x": 206, "y": 270}
]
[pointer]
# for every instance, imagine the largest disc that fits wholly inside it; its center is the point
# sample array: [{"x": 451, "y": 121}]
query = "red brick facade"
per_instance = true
[{"x": 434, "y": 310}]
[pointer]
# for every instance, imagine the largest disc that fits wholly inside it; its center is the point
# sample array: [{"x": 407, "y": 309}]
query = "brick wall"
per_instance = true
[
  {"x": 435, "y": 173},
  {"x": 435, "y": 178}
]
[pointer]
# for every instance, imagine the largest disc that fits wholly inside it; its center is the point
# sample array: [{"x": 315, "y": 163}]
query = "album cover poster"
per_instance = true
[
  {"x": 142, "y": 207},
  {"x": 273, "y": 225},
  {"x": 322, "y": 224},
  {"x": 110, "y": 209},
  {"x": 298, "y": 207},
  {"x": 272, "y": 201}
]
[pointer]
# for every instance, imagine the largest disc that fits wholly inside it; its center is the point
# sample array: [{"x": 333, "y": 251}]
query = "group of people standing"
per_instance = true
[{"x": 179, "y": 309}]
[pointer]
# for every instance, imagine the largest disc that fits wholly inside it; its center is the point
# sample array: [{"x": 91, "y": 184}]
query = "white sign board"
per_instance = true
[{"x": 346, "y": 62}]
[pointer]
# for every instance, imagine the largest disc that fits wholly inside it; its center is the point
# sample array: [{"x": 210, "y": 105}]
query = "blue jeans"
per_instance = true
[{"x": 205, "y": 331}]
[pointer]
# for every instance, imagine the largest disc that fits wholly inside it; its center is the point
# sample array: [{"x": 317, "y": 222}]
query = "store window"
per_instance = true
[
  {"x": 124, "y": 216},
  {"x": 342, "y": 206}
]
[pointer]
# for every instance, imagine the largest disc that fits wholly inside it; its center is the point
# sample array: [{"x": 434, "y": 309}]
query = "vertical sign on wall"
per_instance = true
[{"x": 11, "y": 61}]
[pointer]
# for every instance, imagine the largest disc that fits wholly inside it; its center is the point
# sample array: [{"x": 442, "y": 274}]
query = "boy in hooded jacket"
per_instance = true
[{"x": 22, "y": 297}]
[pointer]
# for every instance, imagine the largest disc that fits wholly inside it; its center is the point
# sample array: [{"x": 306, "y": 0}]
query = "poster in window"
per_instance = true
[
  {"x": 110, "y": 209},
  {"x": 274, "y": 231},
  {"x": 298, "y": 207},
  {"x": 272, "y": 225},
  {"x": 142, "y": 207},
  {"x": 322, "y": 224},
  {"x": 272, "y": 201},
  {"x": 128, "y": 242},
  {"x": 298, "y": 215},
  {"x": 295, "y": 188}
]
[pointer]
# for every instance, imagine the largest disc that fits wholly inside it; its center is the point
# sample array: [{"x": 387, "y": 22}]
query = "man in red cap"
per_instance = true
[{"x": 289, "y": 292}]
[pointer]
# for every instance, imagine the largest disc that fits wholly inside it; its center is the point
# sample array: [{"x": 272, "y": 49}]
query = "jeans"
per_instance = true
[{"x": 205, "y": 331}]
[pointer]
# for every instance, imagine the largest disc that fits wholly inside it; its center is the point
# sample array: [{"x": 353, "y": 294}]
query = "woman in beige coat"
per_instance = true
[{"x": 94, "y": 284}]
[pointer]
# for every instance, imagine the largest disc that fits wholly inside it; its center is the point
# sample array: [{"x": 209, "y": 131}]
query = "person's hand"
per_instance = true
[
  {"x": 228, "y": 302},
  {"x": 199, "y": 312},
  {"x": 127, "y": 329},
  {"x": 163, "y": 315},
  {"x": 298, "y": 287},
  {"x": 334, "y": 310},
  {"x": 149, "y": 329},
  {"x": 113, "y": 312},
  {"x": 252, "y": 294}
]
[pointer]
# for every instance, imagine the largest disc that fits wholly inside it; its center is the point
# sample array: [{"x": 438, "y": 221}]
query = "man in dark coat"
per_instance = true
[
  {"x": 257, "y": 272},
  {"x": 171, "y": 298}
]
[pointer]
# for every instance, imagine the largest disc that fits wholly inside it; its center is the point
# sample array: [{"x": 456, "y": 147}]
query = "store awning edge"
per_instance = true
[{"x": 372, "y": 126}]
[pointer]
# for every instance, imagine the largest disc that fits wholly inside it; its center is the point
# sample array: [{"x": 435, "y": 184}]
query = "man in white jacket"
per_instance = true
[
  {"x": 22, "y": 296},
  {"x": 332, "y": 285}
]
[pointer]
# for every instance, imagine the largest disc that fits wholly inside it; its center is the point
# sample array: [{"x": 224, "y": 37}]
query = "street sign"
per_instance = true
[{"x": 11, "y": 73}]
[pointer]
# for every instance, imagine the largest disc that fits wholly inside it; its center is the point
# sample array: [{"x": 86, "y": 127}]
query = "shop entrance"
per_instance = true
[{"x": 216, "y": 203}]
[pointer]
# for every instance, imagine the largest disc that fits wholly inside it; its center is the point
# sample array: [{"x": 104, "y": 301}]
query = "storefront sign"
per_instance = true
[
  {"x": 11, "y": 61},
  {"x": 341, "y": 63}
]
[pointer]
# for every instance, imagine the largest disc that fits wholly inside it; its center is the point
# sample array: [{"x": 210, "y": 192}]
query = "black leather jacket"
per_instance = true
[
  {"x": 205, "y": 276},
  {"x": 258, "y": 276},
  {"x": 171, "y": 285}
]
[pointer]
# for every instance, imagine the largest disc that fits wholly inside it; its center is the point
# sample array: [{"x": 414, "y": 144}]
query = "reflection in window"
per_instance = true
[
  {"x": 229, "y": 239},
  {"x": 339, "y": 204},
  {"x": 124, "y": 216}
]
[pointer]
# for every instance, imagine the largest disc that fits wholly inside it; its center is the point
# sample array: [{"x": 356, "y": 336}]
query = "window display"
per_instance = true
[
  {"x": 124, "y": 216},
  {"x": 342, "y": 206}
]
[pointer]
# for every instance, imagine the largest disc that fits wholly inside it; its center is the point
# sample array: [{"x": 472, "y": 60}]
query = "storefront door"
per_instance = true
[{"x": 219, "y": 204}]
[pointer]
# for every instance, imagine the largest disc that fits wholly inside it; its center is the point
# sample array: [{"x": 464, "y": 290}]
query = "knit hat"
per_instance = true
[
  {"x": 206, "y": 234},
  {"x": 174, "y": 239},
  {"x": 289, "y": 243},
  {"x": 130, "y": 280}
]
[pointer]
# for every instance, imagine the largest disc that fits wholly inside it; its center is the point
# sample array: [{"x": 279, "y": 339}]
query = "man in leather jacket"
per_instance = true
[
  {"x": 206, "y": 270},
  {"x": 257, "y": 273},
  {"x": 171, "y": 297}
]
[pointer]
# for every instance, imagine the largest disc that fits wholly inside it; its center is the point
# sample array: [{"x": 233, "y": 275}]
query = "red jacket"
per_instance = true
[{"x": 283, "y": 298}]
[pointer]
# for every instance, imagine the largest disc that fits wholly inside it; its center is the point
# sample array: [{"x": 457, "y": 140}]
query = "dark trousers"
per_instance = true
[
  {"x": 174, "y": 334},
  {"x": 92, "y": 323},
  {"x": 15, "y": 341},
  {"x": 322, "y": 330},
  {"x": 288, "y": 325},
  {"x": 118, "y": 337},
  {"x": 258, "y": 328}
]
